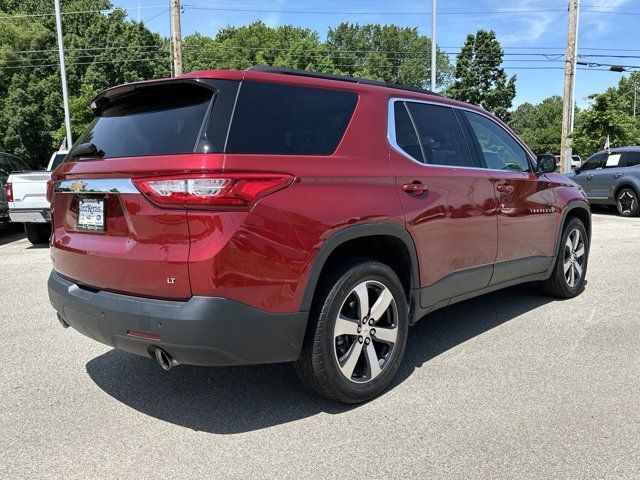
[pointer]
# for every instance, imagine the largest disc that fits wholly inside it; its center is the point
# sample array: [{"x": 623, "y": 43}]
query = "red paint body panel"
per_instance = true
[
  {"x": 263, "y": 256},
  {"x": 527, "y": 217}
]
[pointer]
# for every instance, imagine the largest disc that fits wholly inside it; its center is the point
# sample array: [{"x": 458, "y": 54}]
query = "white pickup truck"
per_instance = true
[{"x": 27, "y": 195}]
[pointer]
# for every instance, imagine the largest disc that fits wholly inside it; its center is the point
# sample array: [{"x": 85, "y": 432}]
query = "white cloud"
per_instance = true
[
  {"x": 593, "y": 24},
  {"x": 527, "y": 27}
]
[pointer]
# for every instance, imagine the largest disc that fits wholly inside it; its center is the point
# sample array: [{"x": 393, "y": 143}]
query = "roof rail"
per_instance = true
[{"x": 340, "y": 78}]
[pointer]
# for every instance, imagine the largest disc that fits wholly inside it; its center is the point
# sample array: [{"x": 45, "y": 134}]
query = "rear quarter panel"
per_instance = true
[{"x": 264, "y": 257}]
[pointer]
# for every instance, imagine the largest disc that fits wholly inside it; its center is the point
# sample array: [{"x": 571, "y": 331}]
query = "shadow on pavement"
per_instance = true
[
  {"x": 11, "y": 232},
  {"x": 241, "y": 399}
]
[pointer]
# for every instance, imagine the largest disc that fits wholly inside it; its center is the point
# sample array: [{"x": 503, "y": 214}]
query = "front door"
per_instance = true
[
  {"x": 447, "y": 198},
  {"x": 527, "y": 218},
  {"x": 585, "y": 176}
]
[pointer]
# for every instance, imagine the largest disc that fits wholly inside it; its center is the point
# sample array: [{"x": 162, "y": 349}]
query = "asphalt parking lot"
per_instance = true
[{"x": 509, "y": 385}]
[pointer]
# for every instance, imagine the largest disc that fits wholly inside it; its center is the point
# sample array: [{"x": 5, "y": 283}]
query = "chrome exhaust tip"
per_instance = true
[{"x": 165, "y": 360}]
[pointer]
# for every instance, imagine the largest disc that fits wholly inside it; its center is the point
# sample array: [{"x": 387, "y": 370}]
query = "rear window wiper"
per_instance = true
[{"x": 85, "y": 150}]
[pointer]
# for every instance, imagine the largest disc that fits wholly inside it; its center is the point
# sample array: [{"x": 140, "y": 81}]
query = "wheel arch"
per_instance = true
[
  {"x": 575, "y": 209},
  {"x": 362, "y": 234}
]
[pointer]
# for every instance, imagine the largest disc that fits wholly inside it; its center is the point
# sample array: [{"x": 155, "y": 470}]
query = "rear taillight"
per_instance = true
[
  {"x": 210, "y": 190},
  {"x": 9, "y": 188},
  {"x": 50, "y": 184}
]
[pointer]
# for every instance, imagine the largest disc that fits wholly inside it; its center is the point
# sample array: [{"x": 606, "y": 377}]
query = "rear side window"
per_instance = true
[
  {"x": 631, "y": 159},
  {"x": 594, "y": 162},
  {"x": 159, "y": 120},
  {"x": 289, "y": 120},
  {"x": 500, "y": 150}
]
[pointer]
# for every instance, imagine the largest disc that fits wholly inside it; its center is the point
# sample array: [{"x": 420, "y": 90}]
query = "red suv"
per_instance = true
[{"x": 271, "y": 215}]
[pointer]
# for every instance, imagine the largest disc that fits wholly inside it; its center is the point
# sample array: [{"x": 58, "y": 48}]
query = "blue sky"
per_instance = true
[{"x": 607, "y": 27}]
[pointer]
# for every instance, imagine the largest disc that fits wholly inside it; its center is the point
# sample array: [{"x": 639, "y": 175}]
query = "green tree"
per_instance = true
[
  {"x": 539, "y": 125},
  {"x": 479, "y": 77},
  {"x": 389, "y": 53},
  {"x": 609, "y": 114},
  {"x": 102, "y": 49},
  {"x": 255, "y": 44},
  {"x": 385, "y": 52}
]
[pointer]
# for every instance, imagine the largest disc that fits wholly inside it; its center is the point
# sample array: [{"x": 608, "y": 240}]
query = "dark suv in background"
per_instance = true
[
  {"x": 612, "y": 177},
  {"x": 243, "y": 217}
]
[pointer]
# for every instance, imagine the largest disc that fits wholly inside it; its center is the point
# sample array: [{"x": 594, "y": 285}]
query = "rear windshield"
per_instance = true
[
  {"x": 164, "y": 119},
  {"x": 289, "y": 120}
]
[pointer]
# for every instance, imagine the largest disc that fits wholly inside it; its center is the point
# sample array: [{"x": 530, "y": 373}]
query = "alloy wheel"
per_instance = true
[
  {"x": 574, "y": 258},
  {"x": 366, "y": 331},
  {"x": 626, "y": 202}
]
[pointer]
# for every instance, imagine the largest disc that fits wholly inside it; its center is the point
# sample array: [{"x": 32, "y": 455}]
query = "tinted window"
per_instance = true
[
  {"x": 631, "y": 159},
  {"x": 500, "y": 150},
  {"x": 440, "y": 135},
  {"x": 5, "y": 167},
  {"x": 614, "y": 160},
  {"x": 406, "y": 137},
  {"x": 594, "y": 161},
  {"x": 57, "y": 160},
  {"x": 18, "y": 165},
  {"x": 289, "y": 120},
  {"x": 159, "y": 120}
]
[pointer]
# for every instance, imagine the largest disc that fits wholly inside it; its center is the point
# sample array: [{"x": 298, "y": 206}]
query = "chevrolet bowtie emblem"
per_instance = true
[{"x": 77, "y": 186}]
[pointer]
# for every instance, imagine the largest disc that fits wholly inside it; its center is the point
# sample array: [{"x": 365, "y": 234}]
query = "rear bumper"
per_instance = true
[
  {"x": 30, "y": 215},
  {"x": 209, "y": 331}
]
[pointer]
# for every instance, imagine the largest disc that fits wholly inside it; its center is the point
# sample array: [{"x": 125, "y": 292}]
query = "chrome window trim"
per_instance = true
[
  {"x": 391, "y": 135},
  {"x": 96, "y": 185}
]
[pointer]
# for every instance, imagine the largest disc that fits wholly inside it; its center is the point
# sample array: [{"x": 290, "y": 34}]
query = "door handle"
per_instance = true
[
  {"x": 415, "y": 188},
  {"x": 506, "y": 188},
  {"x": 590, "y": 176},
  {"x": 617, "y": 175}
]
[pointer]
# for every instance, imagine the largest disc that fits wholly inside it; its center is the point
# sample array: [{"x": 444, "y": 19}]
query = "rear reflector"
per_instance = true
[
  {"x": 210, "y": 190},
  {"x": 9, "y": 188},
  {"x": 148, "y": 336}
]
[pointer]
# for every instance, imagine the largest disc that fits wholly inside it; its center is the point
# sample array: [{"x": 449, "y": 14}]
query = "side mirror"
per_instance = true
[
  {"x": 546, "y": 164},
  {"x": 577, "y": 170}
]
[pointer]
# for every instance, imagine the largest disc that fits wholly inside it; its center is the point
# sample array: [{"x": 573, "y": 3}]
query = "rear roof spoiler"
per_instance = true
[{"x": 109, "y": 95}]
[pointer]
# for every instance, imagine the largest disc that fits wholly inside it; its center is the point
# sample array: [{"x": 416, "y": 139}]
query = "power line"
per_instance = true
[{"x": 594, "y": 9}]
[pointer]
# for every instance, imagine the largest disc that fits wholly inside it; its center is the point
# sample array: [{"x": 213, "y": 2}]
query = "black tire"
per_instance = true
[
  {"x": 37, "y": 232},
  {"x": 627, "y": 202},
  {"x": 560, "y": 284},
  {"x": 319, "y": 365}
]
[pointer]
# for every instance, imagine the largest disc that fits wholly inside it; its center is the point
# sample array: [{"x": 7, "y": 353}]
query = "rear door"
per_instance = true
[
  {"x": 527, "y": 219},
  {"x": 106, "y": 234},
  {"x": 447, "y": 198}
]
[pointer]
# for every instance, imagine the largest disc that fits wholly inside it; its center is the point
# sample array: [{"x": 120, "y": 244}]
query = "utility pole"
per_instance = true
[
  {"x": 569, "y": 86},
  {"x": 635, "y": 94},
  {"x": 177, "y": 37},
  {"x": 63, "y": 75},
  {"x": 433, "y": 45}
]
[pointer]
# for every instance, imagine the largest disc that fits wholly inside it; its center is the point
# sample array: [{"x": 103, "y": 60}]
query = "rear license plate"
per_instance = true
[{"x": 91, "y": 214}]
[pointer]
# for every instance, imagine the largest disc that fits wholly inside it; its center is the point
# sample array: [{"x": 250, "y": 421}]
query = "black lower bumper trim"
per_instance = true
[{"x": 209, "y": 331}]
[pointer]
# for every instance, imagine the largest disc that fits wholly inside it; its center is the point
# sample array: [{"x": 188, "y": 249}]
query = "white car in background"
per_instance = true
[{"x": 27, "y": 195}]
